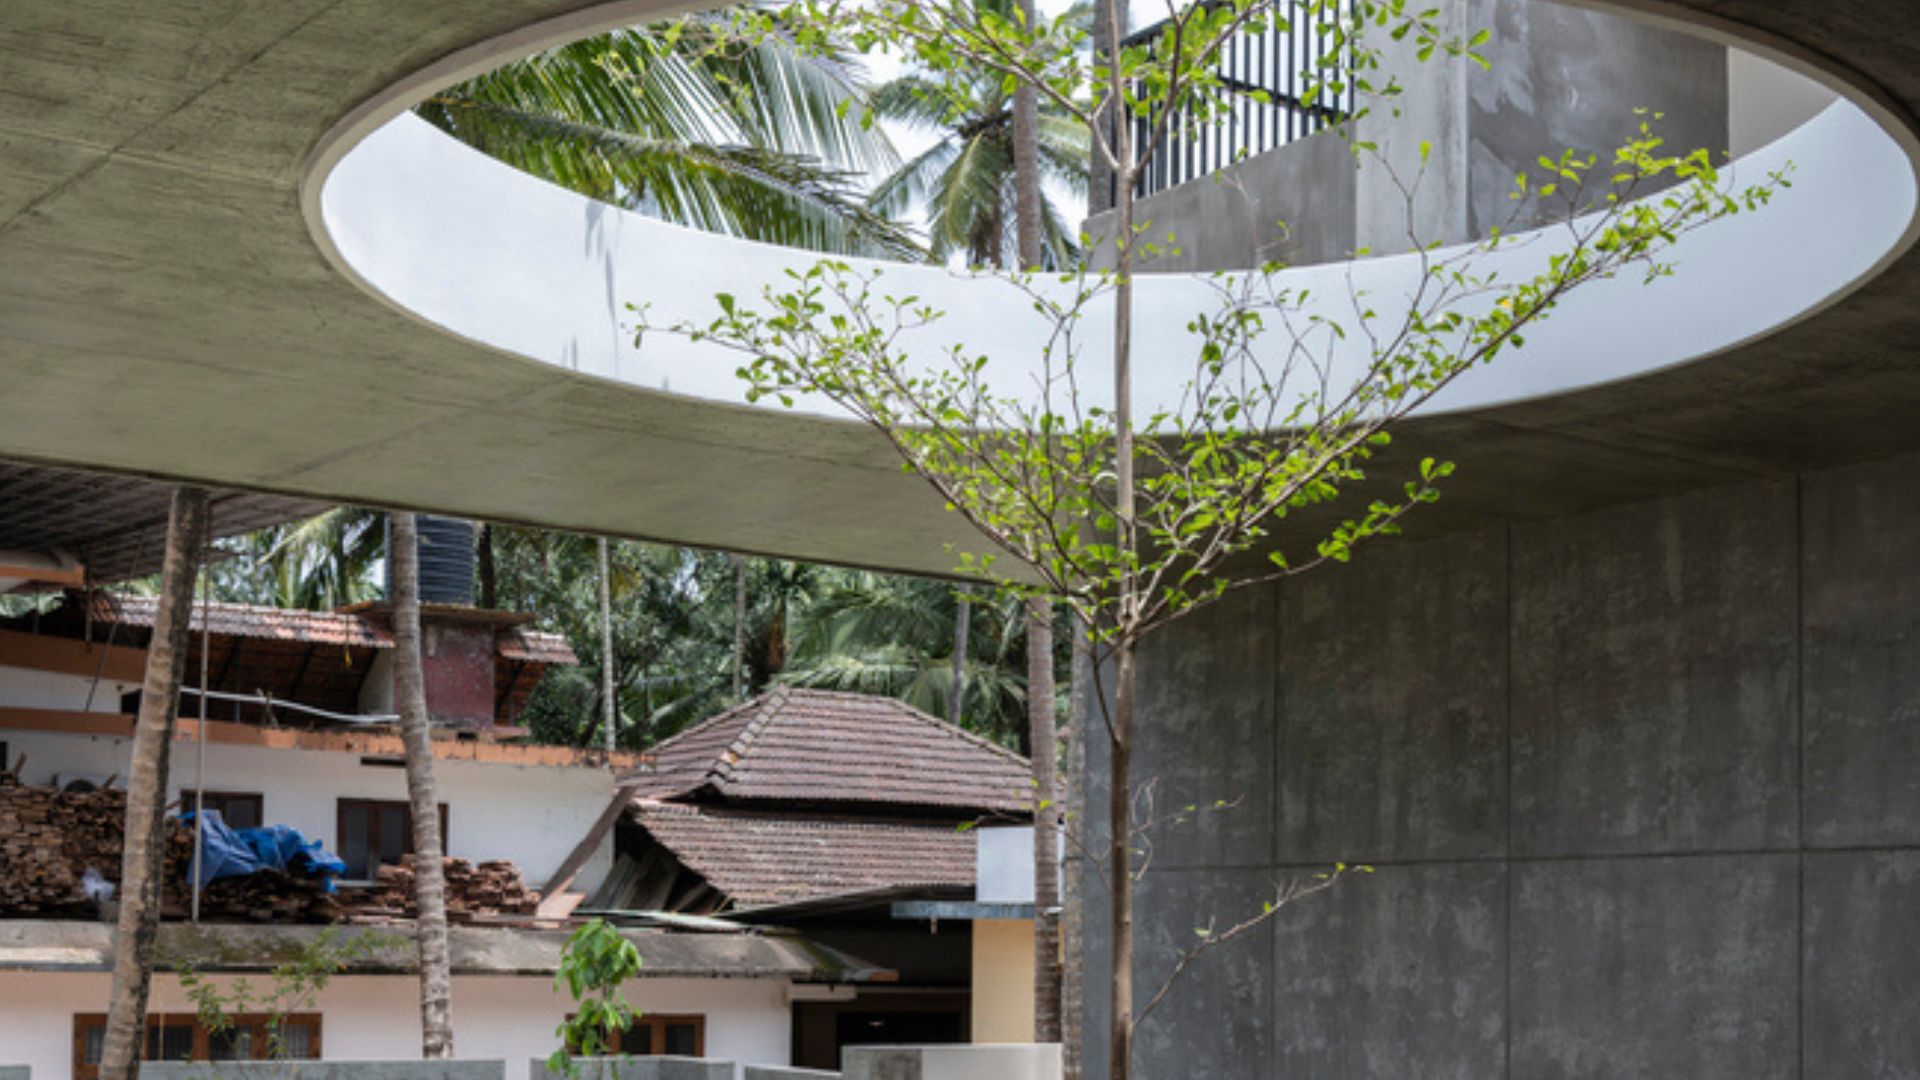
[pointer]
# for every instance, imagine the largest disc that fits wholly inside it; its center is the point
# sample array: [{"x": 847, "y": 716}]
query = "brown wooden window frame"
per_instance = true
[
  {"x": 256, "y": 1023},
  {"x": 656, "y": 1024},
  {"x": 219, "y": 801},
  {"x": 341, "y": 806}
]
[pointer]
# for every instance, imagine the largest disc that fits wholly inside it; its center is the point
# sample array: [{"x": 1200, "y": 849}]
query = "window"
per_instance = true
[
  {"x": 239, "y": 809},
  {"x": 374, "y": 833},
  {"x": 678, "y": 1036},
  {"x": 179, "y": 1038}
]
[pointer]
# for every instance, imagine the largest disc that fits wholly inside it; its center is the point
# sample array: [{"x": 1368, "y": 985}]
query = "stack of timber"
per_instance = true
[
  {"x": 267, "y": 896},
  {"x": 475, "y": 892},
  {"x": 49, "y": 839}
]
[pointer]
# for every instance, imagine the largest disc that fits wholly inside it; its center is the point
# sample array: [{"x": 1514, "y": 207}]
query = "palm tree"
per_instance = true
[
  {"x": 143, "y": 859},
  {"x": 324, "y": 562},
  {"x": 684, "y": 122},
  {"x": 882, "y": 634},
  {"x": 966, "y": 181}
]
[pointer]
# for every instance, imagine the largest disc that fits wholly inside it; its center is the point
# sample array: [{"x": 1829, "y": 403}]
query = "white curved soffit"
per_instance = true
[{"x": 513, "y": 263}]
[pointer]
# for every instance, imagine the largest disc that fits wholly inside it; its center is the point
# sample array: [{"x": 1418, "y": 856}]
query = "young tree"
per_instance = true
[
  {"x": 423, "y": 796},
  {"x": 1133, "y": 521},
  {"x": 143, "y": 860}
]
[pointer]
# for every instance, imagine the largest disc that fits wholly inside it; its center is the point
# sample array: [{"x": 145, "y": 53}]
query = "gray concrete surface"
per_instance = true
[
  {"x": 775, "y": 1072},
  {"x": 164, "y": 311},
  {"x": 323, "y": 1070},
  {"x": 1638, "y": 789},
  {"x": 1561, "y": 78},
  {"x": 16, "y": 1072},
  {"x": 70, "y": 945},
  {"x": 640, "y": 1068}
]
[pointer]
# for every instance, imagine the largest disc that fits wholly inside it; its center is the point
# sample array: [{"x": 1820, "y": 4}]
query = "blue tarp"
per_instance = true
[{"x": 229, "y": 852}]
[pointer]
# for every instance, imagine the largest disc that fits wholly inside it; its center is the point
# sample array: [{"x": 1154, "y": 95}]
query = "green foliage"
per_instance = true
[
  {"x": 1271, "y": 426},
  {"x": 595, "y": 963},
  {"x": 965, "y": 180},
  {"x": 691, "y": 123},
  {"x": 293, "y": 985}
]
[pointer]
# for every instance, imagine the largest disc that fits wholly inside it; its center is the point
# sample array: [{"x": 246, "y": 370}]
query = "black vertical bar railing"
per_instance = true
[{"x": 1264, "y": 74}]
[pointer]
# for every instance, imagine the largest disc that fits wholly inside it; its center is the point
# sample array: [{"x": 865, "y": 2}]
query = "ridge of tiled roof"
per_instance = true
[
  {"x": 795, "y": 744},
  {"x": 252, "y": 620},
  {"x": 350, "y": 628},
  {"x": 761, "y": 858}
]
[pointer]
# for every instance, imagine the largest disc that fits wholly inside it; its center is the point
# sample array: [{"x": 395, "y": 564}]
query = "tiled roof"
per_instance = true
[
  {"x": 798, "y": 745},
  {"x": 251, "y": 621},
  {"x": 534, "y": 646},
  {"x": 317, "y": 627},
  {"x": 761, "y": 859}
]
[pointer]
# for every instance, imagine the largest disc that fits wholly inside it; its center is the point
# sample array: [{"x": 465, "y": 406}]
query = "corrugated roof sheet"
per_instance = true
[
  {"x": 760, "y": 859},
  {"x": 800, "y": 745}
]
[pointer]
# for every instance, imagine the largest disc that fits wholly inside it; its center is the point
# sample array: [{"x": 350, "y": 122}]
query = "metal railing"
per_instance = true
[{"x": 1274, "y": 60}]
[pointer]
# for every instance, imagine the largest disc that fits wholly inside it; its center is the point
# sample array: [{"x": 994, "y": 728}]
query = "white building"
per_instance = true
[{"x": 65, "y": 720}]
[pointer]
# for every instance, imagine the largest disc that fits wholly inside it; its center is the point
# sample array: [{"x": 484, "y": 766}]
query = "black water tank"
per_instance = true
[{"x": 446, "y": 560}]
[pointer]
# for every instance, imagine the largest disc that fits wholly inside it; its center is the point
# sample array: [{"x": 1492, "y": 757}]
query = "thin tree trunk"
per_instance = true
[
  {"x": 957, "y": 682},
  {"x": 1046, "y": 823},
  {"x": 429, "y": 883},
  {"x": 609, "y": 704},
  {"x": 143, "y": 859},
  {"x": 1120, "y": 737},
  {"x": 1120, "y": 864},
  {"x": 489, "y": 572},
  {"x": 739, "y": 627},
  {"x": 1073, "y": 909}
]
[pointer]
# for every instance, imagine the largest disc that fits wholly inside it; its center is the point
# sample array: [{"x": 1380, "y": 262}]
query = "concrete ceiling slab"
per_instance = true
[{"x": 164, "y": 311}]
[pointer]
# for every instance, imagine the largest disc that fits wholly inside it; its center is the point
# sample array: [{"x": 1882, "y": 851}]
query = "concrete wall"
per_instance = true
[
  {"x": 1003, "y": 980},
  {"x": 638, "y": 1068},
  {"x": 465, "y": 1069},
  {"x": 373, "y": 1018},
  {"x": 1031, "y": 1062},
  {"x": 1641, "y": 788},
  {"x": 532, "y": 815},
  {"x": 1561, "y": 78}
]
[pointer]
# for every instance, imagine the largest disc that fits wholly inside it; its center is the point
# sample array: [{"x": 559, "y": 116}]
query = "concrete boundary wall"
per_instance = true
[
  {"x": 323, "y": 1070},
  {"x": 1011, "y": 1061},
  {"x": 1641, "y": 788},
  {"x": 661, "y": 1067}
]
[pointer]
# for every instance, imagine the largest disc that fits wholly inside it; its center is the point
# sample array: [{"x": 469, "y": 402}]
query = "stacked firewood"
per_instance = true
[
  {"x": 473, "y": 889},
  {"x": 263, "y": 896},
  {"x": 49, "y": 839}
]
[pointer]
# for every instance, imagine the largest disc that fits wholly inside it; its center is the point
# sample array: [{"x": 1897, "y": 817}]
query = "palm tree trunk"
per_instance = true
[
  {"x": 429, "y": 883},
  {"x": 1026, "y": 164},
  {"x": 957, "y": 683},
  {"x": 1046, "y": 818},
  {"x": 609, "y": 706},
  {"x": 143, "y": 860},
  {"x": 489, "y": 573},
  {"x": 739, "y": 627}
]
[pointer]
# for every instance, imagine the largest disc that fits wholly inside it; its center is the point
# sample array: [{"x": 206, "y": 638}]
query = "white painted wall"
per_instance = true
[
  {"x": 530, "y": 814},
  {"x": 373, "y": 1017},
  {"x": 28, "y": 688},
  {"x": 1003, "y": 864},
  {"x": 1766, "y": 101}
]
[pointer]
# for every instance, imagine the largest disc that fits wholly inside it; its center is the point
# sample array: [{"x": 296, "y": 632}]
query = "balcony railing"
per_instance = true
[{"x": 1265, "y": 74}]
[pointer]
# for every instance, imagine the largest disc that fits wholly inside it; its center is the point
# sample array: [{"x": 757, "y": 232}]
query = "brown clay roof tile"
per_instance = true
[
  {"x": 759, "y": 859},
  {"x": 814, "y": 746}
]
